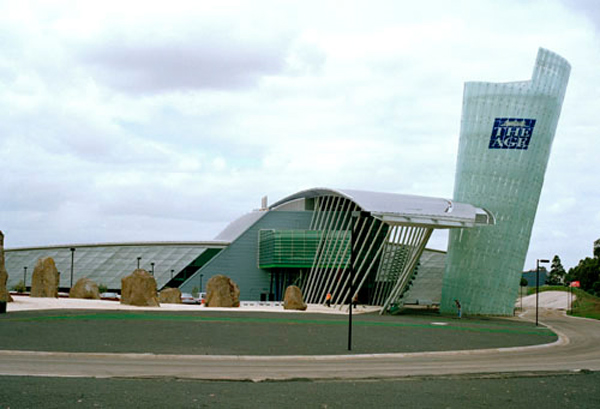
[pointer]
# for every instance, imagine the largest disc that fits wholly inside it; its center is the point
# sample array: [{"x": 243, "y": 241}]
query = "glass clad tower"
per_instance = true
[{"x": 506, "y": 135}]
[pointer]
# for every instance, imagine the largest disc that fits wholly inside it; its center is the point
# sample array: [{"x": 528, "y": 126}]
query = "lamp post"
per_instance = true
[
  {"x": 152, "y": 265},
  {"x": 356, "y": 216},
  {"x": 570, "y": 302},
  {"x": 521, "y": 287},
  {"x": 25, "y": 277},
  {"x": 537, "y": 287},
  {"x": 201, "y": 275},
  {"x": 172, "y": 271},
  {"x": 575, "y": 284},
  {"x": 72, "y": 262},
  {"x": 138, "y": 260}
]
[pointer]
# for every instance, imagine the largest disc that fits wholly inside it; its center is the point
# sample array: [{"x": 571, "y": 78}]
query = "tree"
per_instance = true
[
  {"x": 587, "y": 272},
  {"x": 557, "y": 272},
  {"x": 596, "y": 288}
]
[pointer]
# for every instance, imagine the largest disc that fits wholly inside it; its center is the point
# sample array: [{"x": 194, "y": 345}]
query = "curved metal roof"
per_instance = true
[
  {"x": 221, "y": 244},
  {"x": 239, "y": 225},
  {"x": 394, "y": 208},
  {"x": 108, "y": 263}
]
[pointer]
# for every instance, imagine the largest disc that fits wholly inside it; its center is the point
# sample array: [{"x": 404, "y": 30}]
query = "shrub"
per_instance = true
[{"x": 20, "y": 287}]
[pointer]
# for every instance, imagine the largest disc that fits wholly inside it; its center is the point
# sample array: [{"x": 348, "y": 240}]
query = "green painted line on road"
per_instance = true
[{"x": 464, "y": 325}]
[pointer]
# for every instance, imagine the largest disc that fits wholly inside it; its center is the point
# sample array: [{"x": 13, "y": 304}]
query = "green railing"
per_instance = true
[{"x": 297, "y": 248}]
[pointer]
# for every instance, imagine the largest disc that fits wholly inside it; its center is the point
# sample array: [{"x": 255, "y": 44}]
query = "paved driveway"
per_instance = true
[{"x": 578, "y": 348}]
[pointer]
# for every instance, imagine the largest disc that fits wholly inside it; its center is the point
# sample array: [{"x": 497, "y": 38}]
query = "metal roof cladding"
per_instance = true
[
  {"x": 107, "y": 263},
  {"x": 395, "y": 208}
]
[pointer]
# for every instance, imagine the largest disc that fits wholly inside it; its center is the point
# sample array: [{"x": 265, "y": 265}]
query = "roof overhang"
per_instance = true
[{"x": 400, "y": 209}]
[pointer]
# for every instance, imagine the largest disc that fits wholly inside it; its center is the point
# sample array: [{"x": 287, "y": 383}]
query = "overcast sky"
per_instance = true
[{"x": 145, "y": 121}]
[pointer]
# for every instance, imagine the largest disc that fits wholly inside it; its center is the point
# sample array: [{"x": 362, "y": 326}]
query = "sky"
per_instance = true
[{"x": 164, "y": 121}]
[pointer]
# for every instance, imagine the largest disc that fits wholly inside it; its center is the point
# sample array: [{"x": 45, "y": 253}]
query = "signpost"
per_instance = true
[
  {"x": 575, "y": 284},
  {"x": 72, "y": 261},
  {"x": 356, "y": 216},
  {"x": 537, "y": 287}
]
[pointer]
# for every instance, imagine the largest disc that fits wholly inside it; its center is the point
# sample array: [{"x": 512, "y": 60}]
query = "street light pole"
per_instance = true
[
  {"x": 570, "y": 306},
  {"x": 521, "y": 287},
  {"x": 537, "y": 287},
  {"x": 72, "y": 261},
  {"x": 152, "y": 265},
  {"x": 201, "y": 275},
  {"x": 356, "y": 216},
  {"x": 138, "y": 260},
  {"x": 25, "y": 277}
]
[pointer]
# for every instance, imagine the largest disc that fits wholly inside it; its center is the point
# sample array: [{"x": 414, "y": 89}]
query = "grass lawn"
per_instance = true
[
  {"x": 256, "y": 333},
  {"x": 586, "y": 305}
]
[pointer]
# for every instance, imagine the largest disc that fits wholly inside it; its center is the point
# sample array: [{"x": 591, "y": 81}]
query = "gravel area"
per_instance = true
[{"x": 555, "y": 300}]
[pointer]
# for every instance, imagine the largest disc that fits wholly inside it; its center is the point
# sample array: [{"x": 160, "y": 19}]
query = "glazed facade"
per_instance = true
[{"x": 506, "y": 136}]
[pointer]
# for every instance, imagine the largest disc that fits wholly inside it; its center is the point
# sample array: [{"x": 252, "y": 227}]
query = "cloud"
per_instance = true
[
  {"x": 206, "y": 63},
  {"x": 124, "y": 121},
  {"x": 588, "y": 8}
]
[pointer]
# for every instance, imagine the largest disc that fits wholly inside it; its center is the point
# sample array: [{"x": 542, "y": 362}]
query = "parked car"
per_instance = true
[
  {"x": 110, "y": 296},
  {"x": 187, "y": 298}
]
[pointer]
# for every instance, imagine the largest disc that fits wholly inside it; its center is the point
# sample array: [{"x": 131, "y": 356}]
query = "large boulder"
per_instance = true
[
  {"x": 292, "y": 299},
  {"x": 221, "y": 291},
  {"x": 45, "y": 278},
  {"x": 139, "y": 289},
  {"x": 170, "y": 296},
  {"x": 86, "y": 289},
  {"x": 4, "y": 295}
]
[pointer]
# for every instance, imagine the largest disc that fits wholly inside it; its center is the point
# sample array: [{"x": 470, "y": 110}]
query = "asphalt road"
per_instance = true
[
  {"x": 549, "y": 376},
  {"x": 578, "y": 348},
  {"x": 501, "y": 391}
]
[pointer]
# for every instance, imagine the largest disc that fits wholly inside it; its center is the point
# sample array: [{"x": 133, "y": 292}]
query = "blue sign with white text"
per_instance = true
[{"x": 511, "y": 133}]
